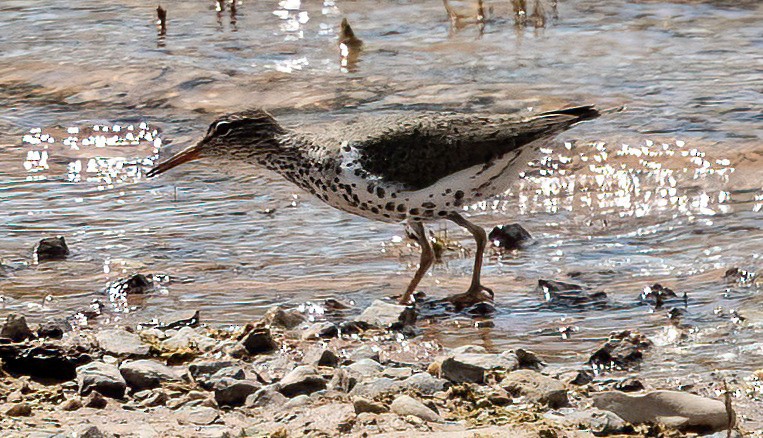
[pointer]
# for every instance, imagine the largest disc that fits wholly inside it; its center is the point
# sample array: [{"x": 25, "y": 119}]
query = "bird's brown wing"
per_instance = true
[{"x": 417, "y": 152}]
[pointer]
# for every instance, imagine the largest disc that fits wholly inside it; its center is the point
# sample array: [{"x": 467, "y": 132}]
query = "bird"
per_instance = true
[{"x": 408, "y": 167}]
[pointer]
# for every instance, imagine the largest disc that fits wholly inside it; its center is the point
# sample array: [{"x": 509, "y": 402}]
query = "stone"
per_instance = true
[
  {"x": 600, "y": 423},
  {"x": 570, "y": 295},
  {"x": 321, "y": 357},
  {"x": 365, "y": 368},
  {"x": 198, "y": 415},
  {"x": 121, "y": 343},
  {"x": 300, "y": 400},
  {"x": 186, "y": 337},
  {"x": 54, "y": 328},
  {"x": 266, "y": 397},
  {"x": 675, "y": 409},
  {"x": 364, "y": 405},
  {"x": 341, "y": 381},
  {"x": 51, "y": 248},
  {"x": 198, "y": 369},
  {"x": 365, "y": 352},
  {"x": 16, "y": 328},
  {"x": 259, "y": 341},
  {"x": 425, "y": 383},
  {"x": 284, "y": 318},
  {"x": 71, "y": 404},
  {"x": 19, "y": 410},
  {"x": 509, "y": 237},
  {"x": 375, "y": 388},
  {"x": 90, "y": 431},
  {"x": 465, "y": 349},
  {"x": 157, "y": 397},
  {"x": 179, "y": 319},
  {"x": 536, "y": 388},
  {"x": 405, "y": 405},
  {"x": 147, "y": 374},
  {"x": 43, "y": 361},
  {"x": 471, "y": 367},
  {"x": 629, "y": 385},
  {"x": 622, "y": 351},
  {"x": 527, "y": 359},
  {"x": 95, "y": 400},
  {"x": 233, "y": 392},
  {"x": 398, "y": 372},
  {"x": 321, "y": 330},
  {"x": 208, "y": 382},
  {"x": 101, "y": 377},
  {"x": 303, "y": 379},
  {"x": 388, "y": 316}
]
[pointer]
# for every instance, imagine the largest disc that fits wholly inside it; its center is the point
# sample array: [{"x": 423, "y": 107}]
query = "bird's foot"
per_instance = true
[{"x": 475, "y": 294}]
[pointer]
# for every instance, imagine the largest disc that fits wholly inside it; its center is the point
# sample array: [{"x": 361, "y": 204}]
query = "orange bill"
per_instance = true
[{"x": 184, "y": 156}]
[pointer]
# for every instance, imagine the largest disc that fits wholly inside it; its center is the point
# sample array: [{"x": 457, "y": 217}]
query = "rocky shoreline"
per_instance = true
[{"x": 286, "y": 375}]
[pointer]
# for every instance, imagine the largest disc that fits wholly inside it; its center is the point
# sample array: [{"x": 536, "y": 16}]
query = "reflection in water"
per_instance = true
[
  {"x": 350, "y": 47},
  {"x": 161, "y": 22}
]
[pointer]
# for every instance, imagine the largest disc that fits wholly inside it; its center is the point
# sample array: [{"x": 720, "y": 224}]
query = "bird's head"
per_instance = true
[{"x": 247, "y": 134}]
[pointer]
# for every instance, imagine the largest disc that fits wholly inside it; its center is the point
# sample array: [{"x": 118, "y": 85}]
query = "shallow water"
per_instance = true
[{"x": 670, "y": 191}]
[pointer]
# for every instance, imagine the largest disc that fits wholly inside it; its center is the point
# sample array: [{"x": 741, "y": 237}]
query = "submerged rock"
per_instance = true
[
  {"x": 178, "y": 319},
  {"x": 657, "y": 295},
  {"x": 572, "y": 295},
  {"x": 388, "y": 316},
  {"x": 536, "y": 387},
  {"x": 622, "y": 351},
  {"x": 16, "y": 328},
  {"x": 407, "y": 405},
  {"x": 509, "y": 237},
  {"x": 672, "y": 408},
  {"x": 51, "y": 248},
  {"x": 101, "y": 377}
]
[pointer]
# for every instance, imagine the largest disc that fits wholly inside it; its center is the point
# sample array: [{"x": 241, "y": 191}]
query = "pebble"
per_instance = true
[
  {"x": 388, "y": 316},
  {"x": 121, "y": 343},
  {"x": 365, "y": 352},
  {"x": 321, "y": 357},
  {"x": 361, "y": 405},
  {"x": 303, "y": 379},
  {"x": 146, "y": 374},
  {"x": 536, "y": 388},
  {"x": 198, "y": 415},
  {"x": 233, "y": 392},
  {"x": 320, "y": 330},
  {"x": 51, "y": 248},
  {"x": 365, "y": 368},
  {"x": 101, "y": 377},
  {"x": 54, "y": 328},
  {"x": 407, "y": 405},
  {"x": 471, "y": 367},
  {"x": 266, "y": 397},
  {"x": 71, "y": 404},
  {"x": 95, "y": 400},
  {"x": 259, "y": 341},
  {"x": 16, "y": 328},
  {"x": 284, "y": 318},
  {"x": 187, "y": 336},
  {"x": 19, "y": 410}
]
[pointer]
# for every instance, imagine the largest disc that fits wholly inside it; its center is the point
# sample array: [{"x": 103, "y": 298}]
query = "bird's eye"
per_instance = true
[{"x": 222, "y": 129}]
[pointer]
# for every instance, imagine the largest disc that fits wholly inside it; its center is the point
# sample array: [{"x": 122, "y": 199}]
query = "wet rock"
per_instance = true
[
  {"x": 527, "y": 359},
  {"x": 54, "y": 329},
  {"x": 303, "y": 379},
  {"x": 101, "y": 377},
  {"x": 185, "y": 338},
  {"x": 578, "y": 378},
  {"x": 179, "y": 319},
  {"x": 365, "y": 368},
  {"x": 284, "y": 318},
  {"x": 425, "y": 383},
  {"x": 233, "y": 392},
  {"x": 622, "y": 351},
  {"x": 132, "y": 285},
  {"x": 481, "y": 309},
  {"x": 51, "y": 248},
  {"x": 266, "y": 397},
  {"x": 321, "y": 357},
  {"x": 484, "y": 324},
  {"x": 46, "y": 361},
  {"x": 321, "y": 330},
  {"x": 259, "y": 341},
  {"x": 19, "y": 410},
  {"x": 737, "y": 275},
  {"x": 365, "y": 352},
  {"x": 509, "y": 237},
  {"x": 672, "y": 408},
  {"x": 15, "y": 328},
  {"x": 536, "y": 388},
  {"x": 471, "y": 367},
  {"x": 95, "y": 400},
  {"x": 121, "y": 343},
  {"x": 657, "y": 295},
  {"x": 562, "y": 294},
  {"x": 198, "y": 415},
  {"x": 405, "y": 405},
  {"x": 71, "y": 404},
  {"x": 147, "y": 374},
  {"x": 388, "y": 316},
  {"x": 361, "y": 405},
  {"x": 629, "y": 385}
]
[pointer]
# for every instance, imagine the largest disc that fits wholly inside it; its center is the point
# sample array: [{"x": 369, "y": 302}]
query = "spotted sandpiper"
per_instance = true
[{"x": 412, "y": 168}]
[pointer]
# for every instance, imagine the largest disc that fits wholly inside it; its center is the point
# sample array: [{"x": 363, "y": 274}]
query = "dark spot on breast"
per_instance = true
[
  {"x": 459, "y": 194},
  {"x": 370, "y": 188},
  {"x": 414, "y": 211},
  {"x": 442, "y": 213},
  {"x": 401, "y": 208},
  {"x": 448, "y": 190},
  {"x": 428, "y": 205},
  {"x": 374, "y": 210},
  {"x": 428, "y": 213},
  {"x": 380, "y": 192},
  {"x": 393, "y": 195},
  {"x": 390, "y": 206}
]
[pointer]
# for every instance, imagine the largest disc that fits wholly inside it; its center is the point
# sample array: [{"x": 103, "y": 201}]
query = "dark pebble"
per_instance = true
[
  {"x": 509, "y": 237},
  {"x": 51, "y": 248}
]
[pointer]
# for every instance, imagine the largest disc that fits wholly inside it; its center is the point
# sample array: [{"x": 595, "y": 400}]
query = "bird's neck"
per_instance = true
[{"x": 300, "y": 162}]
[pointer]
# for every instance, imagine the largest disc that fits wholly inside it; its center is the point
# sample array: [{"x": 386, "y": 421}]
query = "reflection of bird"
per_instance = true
[{"x": 411, "y": 167}]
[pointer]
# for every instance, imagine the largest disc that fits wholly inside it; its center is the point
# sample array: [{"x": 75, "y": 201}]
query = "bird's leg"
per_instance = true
[
  {"x": 427, "y": 258},
  {"x": 476, "y": 292}
]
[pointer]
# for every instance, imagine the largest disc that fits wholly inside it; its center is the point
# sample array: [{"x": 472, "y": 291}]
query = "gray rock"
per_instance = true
[
  {"x": 234, "y": 372},
  {"x": 16, "y": 328},
  {"x": 364, "y": 405},
  {"x": 600, "y": 423},
  {"x": 19, "y": 410},
  {"x": 185, "y": 337},
  {"x": 198, "y": 369},
  {"x": 365, "y": 352},
  {"x": 266, "y": 397},
  {"x": 468, "y": 349},
  {"x": 233, "y": 392},
  {"x": 303, "y": 379},
  {"x": 121, "y": 343},
  {"x": 259, "y": 341},
  {"x": 397, "y": 373},
  {"x": 51, "y": 248},
  {"x": 388, "y": 315},
  {"x": 406, "y": 405},
  {"x": 90, "y": 431},
  {"x": 297, "y": 401},
  {"x": 425, "y": 383},
  {"x": 676, "y": 409},
  {"x": 375, "y": 388},
  {"x": 536, "y": 387},
  {"x": 285, "y": 318},
  {"x": 471, "y": 367},
  {"x": 146, "y": 374},
  {"x": 321, "y": 330},
  {"x": 198, "y": 415},
  {"x": 321, "y": 357},
  {"x": 103, "y": 378},
  {"x": 365, "y": 368}
]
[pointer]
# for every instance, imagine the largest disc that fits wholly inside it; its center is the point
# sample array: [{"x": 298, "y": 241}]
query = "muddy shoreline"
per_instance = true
[{"x": 292, "y": 374}]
